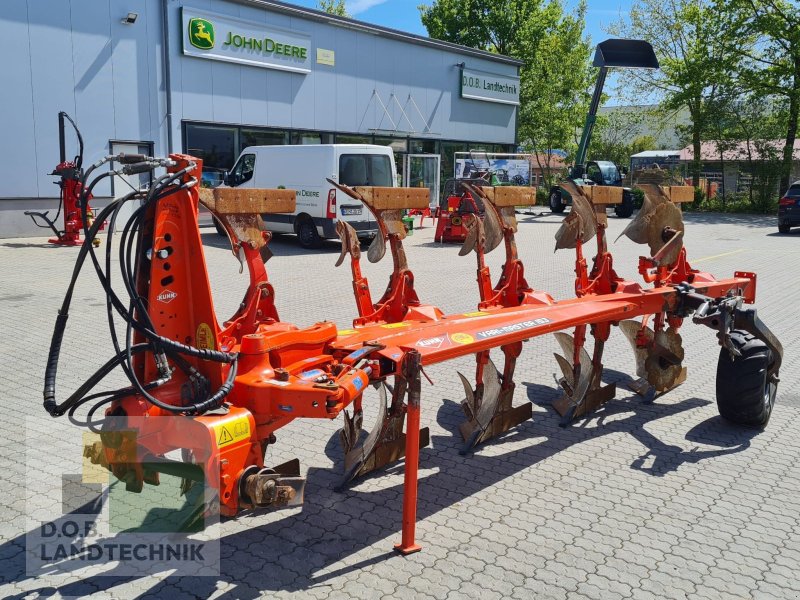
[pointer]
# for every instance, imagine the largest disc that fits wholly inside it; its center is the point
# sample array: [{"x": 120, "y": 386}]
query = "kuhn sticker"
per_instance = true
[
  {"x": 167, "y": 296},
  {"x": 434, "y": 342},
  {"x": 489, "y": 333}
]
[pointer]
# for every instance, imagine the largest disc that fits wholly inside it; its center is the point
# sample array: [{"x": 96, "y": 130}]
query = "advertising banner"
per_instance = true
[
  {"x": 218, "y": 37},
  {"x": 508, "y": 169}
]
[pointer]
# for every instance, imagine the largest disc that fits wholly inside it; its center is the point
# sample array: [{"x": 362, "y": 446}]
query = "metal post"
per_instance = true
[
  {"x": 411, "y": 370},
  {"x": 62, "y": 147}
]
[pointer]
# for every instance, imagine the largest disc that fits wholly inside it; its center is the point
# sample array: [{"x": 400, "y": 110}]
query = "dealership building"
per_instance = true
[{"x": 211, "y": 77}]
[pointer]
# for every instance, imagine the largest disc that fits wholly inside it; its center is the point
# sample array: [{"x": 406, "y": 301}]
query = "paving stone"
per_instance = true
[{"x": 639, "y": 501}]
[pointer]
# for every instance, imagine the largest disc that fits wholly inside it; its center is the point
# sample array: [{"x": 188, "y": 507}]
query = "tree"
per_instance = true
[
  {"x": 771, "y": 65},
  {"x": 556, "y": 80},
  {"x": 618, "y": 134},
  {"x": 745, "y": 128},
  {"x": 333, "y": 7},
  {"x": 492, "y": 25},
  {"x": 695, "y": 54},
  {"x": 556, "y": 75}
]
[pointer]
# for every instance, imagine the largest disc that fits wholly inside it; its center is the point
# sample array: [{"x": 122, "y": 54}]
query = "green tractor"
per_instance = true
[{"x": 624, "y": 54}]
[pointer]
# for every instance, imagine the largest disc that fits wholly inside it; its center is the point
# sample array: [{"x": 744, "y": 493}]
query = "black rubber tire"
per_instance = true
[
  {"x": 625, "y": 208},
  {"x": 307, "y": 233},
  {"x": 218, "y": 226},
  {"x": 784, "y": 228},
  {"x": 744, "y": 396},
  {"x": 556, "y": 202}
]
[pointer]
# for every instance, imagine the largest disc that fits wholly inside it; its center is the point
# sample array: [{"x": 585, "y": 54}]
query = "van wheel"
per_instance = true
[
  {"x": 307, "y": 233},
  {"x": 625, "y": 209},
  {"x": 556, "y": 203},
  {"x": 744, "y": 394},
  {"x": 218, "y": 226}
]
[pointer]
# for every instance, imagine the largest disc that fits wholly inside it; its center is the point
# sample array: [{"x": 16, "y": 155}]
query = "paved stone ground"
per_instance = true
[{"x": 638, "y": 501}]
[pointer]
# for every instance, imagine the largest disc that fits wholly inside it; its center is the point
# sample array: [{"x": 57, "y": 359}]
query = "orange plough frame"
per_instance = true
[{"x": 225, "y": 389}]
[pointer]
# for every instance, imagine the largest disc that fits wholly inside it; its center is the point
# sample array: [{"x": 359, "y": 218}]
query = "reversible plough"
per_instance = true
[{"x": 224, "y": 390}]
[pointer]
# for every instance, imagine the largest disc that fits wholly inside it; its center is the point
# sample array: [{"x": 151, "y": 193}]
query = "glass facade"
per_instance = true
[{"x": 219, "y": 145}]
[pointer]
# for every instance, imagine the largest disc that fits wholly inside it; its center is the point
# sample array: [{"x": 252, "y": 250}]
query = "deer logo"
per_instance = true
[{"x": 201, "y": 34}]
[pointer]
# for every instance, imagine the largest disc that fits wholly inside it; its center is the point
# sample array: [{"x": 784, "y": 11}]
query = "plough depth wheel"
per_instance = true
[{"x": 745, "y": 392}]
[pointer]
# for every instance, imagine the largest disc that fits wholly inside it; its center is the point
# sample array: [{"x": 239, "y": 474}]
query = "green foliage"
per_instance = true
[
  {"x": 556, "y": 82},
  {"x": 694, "y": 50},
  {"x": 699, "y": 197},
  {"x": 771, "y": 61},
  {"x": 613, "y": 133},
  {"x": 556, "y": 76},
  {"x": 493, "y": 25},
  {"x": 620, "y": 151},
  {"x": 542, "y": 196},
  {"x": 333, "y": 7},
  {"x": 735, "y": 203},
  {"x": 638, "y": 197}
]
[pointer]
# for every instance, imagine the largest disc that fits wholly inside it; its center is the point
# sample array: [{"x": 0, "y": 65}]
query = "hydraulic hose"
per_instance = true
[{"x": 162, "y": 348}]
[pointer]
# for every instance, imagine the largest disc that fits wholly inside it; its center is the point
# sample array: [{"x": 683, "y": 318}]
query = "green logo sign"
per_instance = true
[{"x": 201, "y": 34}]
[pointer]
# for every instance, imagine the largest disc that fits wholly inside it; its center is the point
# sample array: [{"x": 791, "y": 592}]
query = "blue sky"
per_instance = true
[{"x": 403, "y": 14}]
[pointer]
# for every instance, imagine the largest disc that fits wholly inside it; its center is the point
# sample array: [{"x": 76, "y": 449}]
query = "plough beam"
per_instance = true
[{"x": 220, "y": 392}]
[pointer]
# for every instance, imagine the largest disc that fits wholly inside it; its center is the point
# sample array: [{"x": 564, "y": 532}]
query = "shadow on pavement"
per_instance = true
[
  {"x": 746, "y": 220},
  {"x": 333, "y": 525},
  {"x": 282, "y": 244}
]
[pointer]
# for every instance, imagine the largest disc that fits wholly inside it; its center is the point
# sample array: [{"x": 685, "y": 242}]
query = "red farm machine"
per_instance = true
[
  {"x": 73, "y": 202},
  {"x": 218, "y": 392},
  {"x": 457, "y": 203}
]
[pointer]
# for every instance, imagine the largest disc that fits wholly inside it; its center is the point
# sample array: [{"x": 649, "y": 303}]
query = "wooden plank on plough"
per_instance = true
[{"x": 222, "y": 391}]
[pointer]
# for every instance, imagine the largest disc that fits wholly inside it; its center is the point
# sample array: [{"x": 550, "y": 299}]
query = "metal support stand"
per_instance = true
[{"x": 412, "y": 369}]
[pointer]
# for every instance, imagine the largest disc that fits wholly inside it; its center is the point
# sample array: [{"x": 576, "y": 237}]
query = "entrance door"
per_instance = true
[
  {"x": 123, "y": 185},
  {"x": 422, "y": 170}
]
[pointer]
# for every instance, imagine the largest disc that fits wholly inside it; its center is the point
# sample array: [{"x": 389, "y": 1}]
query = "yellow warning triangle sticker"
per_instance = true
[{"x": 225, "y": 436}]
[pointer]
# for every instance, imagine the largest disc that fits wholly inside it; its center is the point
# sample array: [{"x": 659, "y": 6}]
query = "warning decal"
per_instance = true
[
  {"x": 395, "y": 325},
  {"x": 232, "y": 431}
]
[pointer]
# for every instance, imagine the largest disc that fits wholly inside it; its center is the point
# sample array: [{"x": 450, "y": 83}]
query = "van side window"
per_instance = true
[
  {"x": 243, "y": 171},
  {"x": 365, "y": 169}
]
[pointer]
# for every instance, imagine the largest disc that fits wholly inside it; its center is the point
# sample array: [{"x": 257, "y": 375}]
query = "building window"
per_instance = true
[
  {"x": 261, "y": 137},
  {"x": 448, "y": 151},
  {"x": 306, "y": 137},
  {"x": 399, "y": 145},
  {"x": 353, "y": 139},
  {"x": 217, "y": 146},
  {"x": 422, "y": 147}
]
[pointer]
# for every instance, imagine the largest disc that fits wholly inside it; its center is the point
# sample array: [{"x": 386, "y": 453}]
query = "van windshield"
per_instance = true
[{"x": 365, "y": 169}]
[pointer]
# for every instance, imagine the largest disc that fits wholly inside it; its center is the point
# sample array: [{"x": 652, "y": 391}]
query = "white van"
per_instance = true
[{"x": 319, "y": 204}]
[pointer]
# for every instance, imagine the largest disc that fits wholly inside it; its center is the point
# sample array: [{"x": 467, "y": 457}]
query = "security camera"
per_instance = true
[{"x": 130, "y": 18}]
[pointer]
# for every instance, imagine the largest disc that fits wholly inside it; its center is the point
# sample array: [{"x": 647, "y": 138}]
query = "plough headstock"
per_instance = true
[{"x": 256, "y": 374}]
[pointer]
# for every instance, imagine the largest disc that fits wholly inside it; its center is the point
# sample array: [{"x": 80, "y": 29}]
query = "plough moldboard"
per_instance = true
[{"x": 253, "y": 374}]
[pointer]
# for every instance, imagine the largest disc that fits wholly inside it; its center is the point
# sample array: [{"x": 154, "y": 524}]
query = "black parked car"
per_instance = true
[{"x": 789, "y": 208}]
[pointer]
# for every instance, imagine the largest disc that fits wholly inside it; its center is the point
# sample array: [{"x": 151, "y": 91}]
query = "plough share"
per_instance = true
[{"x": 222, "y": 391}]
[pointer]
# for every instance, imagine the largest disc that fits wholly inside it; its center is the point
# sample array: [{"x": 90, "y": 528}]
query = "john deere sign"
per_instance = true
[
  {"x": 489, "y": 87},
  {"x": 217, "y": 37},
  {"x": 201, "y": 34}
]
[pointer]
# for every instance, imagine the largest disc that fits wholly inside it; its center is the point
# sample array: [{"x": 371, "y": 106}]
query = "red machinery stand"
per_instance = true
[{"x": 70, "y": 173}]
